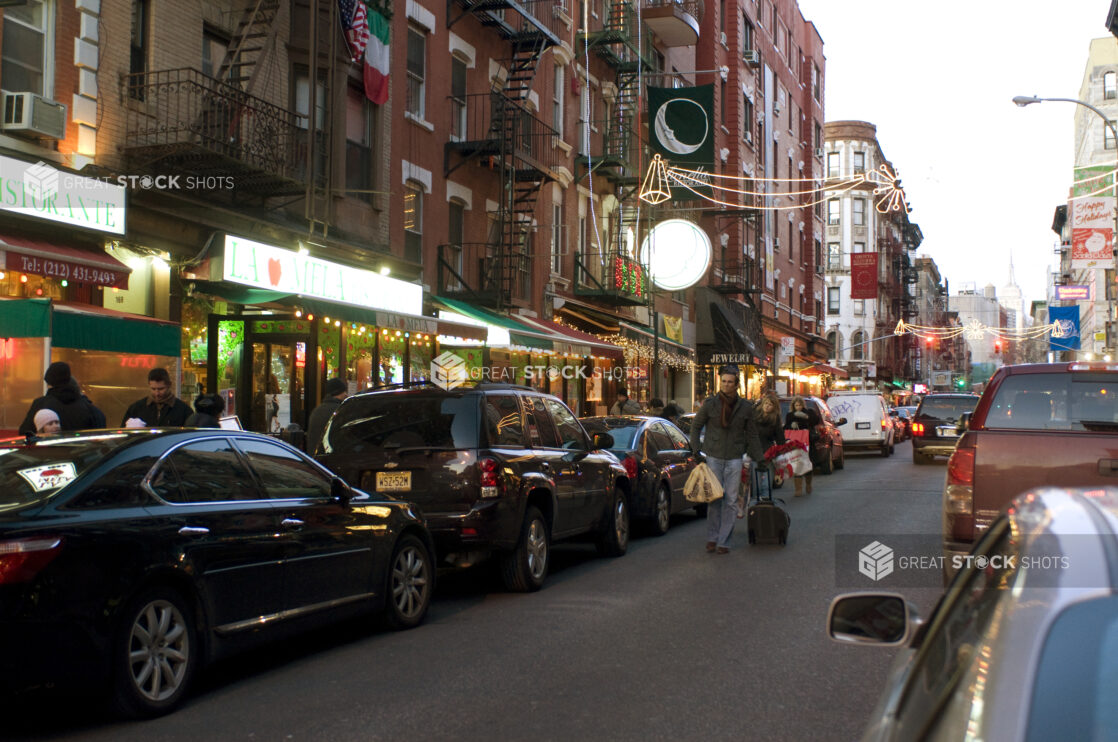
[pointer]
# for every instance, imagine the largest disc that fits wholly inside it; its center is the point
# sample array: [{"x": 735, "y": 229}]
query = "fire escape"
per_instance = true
[
  {"x": 501, "y": 133},
  {"x": 183, "y": 121}
]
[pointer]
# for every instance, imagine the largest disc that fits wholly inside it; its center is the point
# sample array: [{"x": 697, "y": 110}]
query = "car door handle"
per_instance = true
[
  {"x": 291, "y": 523},
  {"x": 546, "y": 466},
  {"x": 1108, "y": 466},
  {"x": 193, "y": 531}
]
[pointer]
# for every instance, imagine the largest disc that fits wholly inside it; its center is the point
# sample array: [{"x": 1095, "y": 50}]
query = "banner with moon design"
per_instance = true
[{"x": 682, "y": 131}]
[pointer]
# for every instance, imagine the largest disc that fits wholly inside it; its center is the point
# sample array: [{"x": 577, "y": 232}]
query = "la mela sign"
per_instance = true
[{"x": 269, "y": 267}]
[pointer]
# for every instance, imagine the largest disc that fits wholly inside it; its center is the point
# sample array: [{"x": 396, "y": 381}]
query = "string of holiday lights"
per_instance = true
[{"x": 975, "y": 330}]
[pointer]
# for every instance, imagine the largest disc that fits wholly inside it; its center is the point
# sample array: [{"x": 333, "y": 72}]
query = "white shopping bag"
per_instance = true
[{"x": 702, "y": 485}]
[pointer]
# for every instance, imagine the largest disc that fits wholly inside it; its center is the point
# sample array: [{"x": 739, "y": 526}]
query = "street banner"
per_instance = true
[
  {"x": 1092, "y": 179},
  {"x": 673, "y": 327},
  {"x": 681, "y": 131},
  {"x": 1064, "y": 334},
  {"x": 1092, "y": 232},
  {"x": 1073, "y": 293},
  {"x": 863, "y": 275}
]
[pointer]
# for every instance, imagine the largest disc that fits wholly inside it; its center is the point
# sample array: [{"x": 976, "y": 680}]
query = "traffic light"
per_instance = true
[
  {"x": 998, "y": 346},
  {"x": 961, "y": 383}
]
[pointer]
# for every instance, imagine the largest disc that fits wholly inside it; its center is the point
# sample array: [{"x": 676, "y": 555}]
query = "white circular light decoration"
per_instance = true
[{"x": 677, "y": 253}]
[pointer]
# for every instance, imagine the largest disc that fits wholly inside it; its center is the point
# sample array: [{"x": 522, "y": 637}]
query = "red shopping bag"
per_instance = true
[{"x": 799, "y": 436}]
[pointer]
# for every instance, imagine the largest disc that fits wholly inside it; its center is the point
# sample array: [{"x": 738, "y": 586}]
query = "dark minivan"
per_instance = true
[{"x": 497, "y": 470}]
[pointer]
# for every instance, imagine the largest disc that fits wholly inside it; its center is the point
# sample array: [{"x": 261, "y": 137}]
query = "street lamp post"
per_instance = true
[{"x": 1025, "y": 100}]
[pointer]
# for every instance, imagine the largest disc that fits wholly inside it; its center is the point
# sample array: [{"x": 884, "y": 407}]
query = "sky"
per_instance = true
[{"x": 983, "y": 177}]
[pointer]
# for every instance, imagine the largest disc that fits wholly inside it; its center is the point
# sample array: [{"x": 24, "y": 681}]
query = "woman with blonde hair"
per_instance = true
[{"x": 766, "y": 417}]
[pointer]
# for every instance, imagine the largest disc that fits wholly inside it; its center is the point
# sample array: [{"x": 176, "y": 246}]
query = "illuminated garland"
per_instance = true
[
  {"x": 975, "y": 330},
  {"x": 637, "y": 351},
  {"x": 661, "y": 176}
]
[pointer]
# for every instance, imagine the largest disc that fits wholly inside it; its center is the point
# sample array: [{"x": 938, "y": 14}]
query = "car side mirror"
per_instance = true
[
  {"x": 964, "y": 423},
  {"x": 881, "y": 619},
  {"x": 602, "y": 440},
  {"x": 840, "y": 422},
  {"x": 340, "y": 491}
]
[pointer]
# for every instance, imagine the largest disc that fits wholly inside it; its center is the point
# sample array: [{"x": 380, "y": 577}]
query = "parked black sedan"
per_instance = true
[
  {"x": 131, "y": 558},
  {"x": 657, "y": 458}
]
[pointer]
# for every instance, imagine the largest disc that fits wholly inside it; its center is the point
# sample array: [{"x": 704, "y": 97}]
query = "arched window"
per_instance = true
[{"x": 857, "y": 350}]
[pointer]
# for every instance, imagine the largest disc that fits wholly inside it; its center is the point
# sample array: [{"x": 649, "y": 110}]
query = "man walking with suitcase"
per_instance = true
[{"x": 730, "y": 432}]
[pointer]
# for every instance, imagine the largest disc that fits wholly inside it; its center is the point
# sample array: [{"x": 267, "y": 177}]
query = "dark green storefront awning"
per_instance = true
[
  {"x": 519, "y": 333},
  {"x": 89, "y": 329}
]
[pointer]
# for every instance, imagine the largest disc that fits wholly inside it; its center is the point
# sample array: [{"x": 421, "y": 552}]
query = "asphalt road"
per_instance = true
[{"x": 666, "y": 643}]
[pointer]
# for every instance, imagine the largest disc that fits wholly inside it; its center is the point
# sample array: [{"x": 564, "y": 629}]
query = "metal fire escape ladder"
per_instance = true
[{"x": 254, "y": 39}]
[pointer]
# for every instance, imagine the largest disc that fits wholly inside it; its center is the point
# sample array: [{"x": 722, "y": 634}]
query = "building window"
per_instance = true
[
  {"x": 456, "y": 219},
  {"x": 359, "y": 145},
  {"x": 417, "y": 71},
  {"x": 835, "y": 341},
  {"x": 818, "y": 136},
  {"x": 833, "y": 206},
  {"x": 214, "y": 48},
  {"x": 138, "y": 46},
  {"x": 1108, "y": 135},
  {"x": 747, "y": 118},
  {"x": 832, "y": 164},
  {"x": 818, "y": 256},
  {"x": 27, "y": 49},
  {"x": 746, "y": 33},
  {"x": 859, "y": 247},
  {"x": 818, "y": 310},
  {"x": 859, "y": 212},
  {"x": 302, "y": 107},
  {"x": 834, "y": 256},
  {"x": 558, "y": 237},
  {"x": 557, "y": 102},
  {"x": 722, "y": 99},
  {"x": 1110, "y": 86},
  {"x": 857, "y": 346},
  {"x": 833, "y": 296},
  {"x": 859, "y": 163},
  {"x": 816, "y": 83},
  {"x": 457, "y": 99},
  {"x": 859, "y": 307},
  {"x": 413, "y": 222}
]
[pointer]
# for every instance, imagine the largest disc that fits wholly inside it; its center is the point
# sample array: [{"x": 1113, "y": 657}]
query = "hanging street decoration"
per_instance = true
[
  {"x": 682, "y": 130},
  {"x": 975, "y": 330}
]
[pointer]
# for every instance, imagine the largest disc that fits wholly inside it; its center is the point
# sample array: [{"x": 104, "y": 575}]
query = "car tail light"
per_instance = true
[
  {"x": 918, "y": 429},
  {"x": 885, "y": 423},
  {"x": 22, "y": 559},
  {"x": 958, "y": 493},
  {"x": 630, "y": 464},
  {"x": 490, "y": 477}
]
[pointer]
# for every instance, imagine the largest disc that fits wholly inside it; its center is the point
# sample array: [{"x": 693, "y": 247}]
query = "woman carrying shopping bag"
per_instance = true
[
  {"x": 766, "y": 416},
  {"x": 800, "y": 425}
]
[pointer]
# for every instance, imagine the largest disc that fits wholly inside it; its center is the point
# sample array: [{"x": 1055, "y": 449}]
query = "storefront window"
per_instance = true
[
  {"x": 113, "y": 380},
  {"x": 230, "y": 343},
  {"x": 359, "y": 357},
  {"x": 195, "y": 345},
  {"x": 422, "y": 353},
  {"x": 393, "y": 346},
  {"x": 329, "y": 350},
  {"x": 21, "y": 375}
]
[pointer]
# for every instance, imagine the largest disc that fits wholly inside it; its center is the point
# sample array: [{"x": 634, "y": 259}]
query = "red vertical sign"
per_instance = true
[{"x": 863, "y": 275}]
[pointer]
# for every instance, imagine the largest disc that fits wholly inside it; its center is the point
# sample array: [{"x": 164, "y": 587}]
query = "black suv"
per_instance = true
[
  {"x": 496, "y": 469},
  {"x": 934, "y": 426}
]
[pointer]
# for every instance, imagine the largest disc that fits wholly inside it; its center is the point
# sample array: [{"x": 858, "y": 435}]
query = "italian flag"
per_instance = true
[{"x": 376, "y": 58}]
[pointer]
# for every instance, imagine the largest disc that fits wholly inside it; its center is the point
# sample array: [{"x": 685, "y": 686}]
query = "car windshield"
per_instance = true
[
  {"x": 623, "y": 431},
  {"x": 34, "y": 472},
  {"x": 398, "y": 421},
  {"x": 1056, "y": 401},
  {"x": 947, "y": 408}
]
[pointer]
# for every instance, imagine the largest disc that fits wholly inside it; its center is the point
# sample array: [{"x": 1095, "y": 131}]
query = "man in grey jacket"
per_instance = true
[{"x": 730, "y": 432}]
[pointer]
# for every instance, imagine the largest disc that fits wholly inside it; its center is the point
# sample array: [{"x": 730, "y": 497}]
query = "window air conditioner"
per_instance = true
[
  {"x": 819, "y": 152},
  {"x": 35, "y": 115},
  {"x": 752, "y": 57}
]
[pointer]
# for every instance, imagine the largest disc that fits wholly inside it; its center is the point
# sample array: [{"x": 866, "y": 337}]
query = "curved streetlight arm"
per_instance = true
[{"x": 1024, "y": 100}]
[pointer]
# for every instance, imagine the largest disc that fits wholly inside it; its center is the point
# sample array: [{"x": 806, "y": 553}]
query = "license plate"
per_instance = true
[
  {"x": 946, "y": 431},
  {"x": 393, "y": 481},
  {"x": 861, "y": 426}
]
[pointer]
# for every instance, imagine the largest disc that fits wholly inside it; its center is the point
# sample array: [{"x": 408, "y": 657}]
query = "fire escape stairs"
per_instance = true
[{"x": 253, "y": 40}]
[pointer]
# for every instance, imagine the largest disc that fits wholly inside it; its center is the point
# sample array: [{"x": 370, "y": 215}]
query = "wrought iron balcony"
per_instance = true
[
  {"x": 613, "y": 152},
  {"x": 184, "y": 121},
  {"x": 498, "y": 129},
  {"x": 611, "y": 278},
  {"x": 620, "y": 41},
  {"x": 733, "y": 273},
  {"x": 521, "y": 20},
  {"x": 676, "y": 22}
]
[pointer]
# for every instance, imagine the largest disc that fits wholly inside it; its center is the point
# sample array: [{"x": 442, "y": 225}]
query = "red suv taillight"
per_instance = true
[
  {"x": 490, "y": 477},
  {"x": 22, "y": 559},
  {"x": 630, "y": 464},
  {"x": 958, "y": 493},
  {"x": 918, "y": 429}
]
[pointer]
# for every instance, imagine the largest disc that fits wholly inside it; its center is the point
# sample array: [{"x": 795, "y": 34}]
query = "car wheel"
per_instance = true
[
  {"x": 156, "y": 653},
  {"x": 842, "y": 458},
  {"x": 409, "y": 584},
  {"x": 828, "y": 465},
  {"x": 613, "y": 540},
  {"x": 662, "y": 518},
  {"x": 524, "y": 568}
]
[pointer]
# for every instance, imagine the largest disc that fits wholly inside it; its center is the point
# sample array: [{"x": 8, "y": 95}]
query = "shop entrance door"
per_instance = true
[{"x": 277, "y": 365}]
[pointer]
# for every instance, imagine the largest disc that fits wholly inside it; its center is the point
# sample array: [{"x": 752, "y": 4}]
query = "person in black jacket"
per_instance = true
[
  {"x": 802, "y": 417},
  {"x": 334, "y": 392},
  {"x": 207, "y": 412},
  {"x": 74, "y": 410},
  {"x": 766, "y": 417},
  {"x": 162, "y": 408}
]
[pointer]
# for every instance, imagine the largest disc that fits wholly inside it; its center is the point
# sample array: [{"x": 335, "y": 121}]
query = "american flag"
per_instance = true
[{"x": 355, "y": 25}]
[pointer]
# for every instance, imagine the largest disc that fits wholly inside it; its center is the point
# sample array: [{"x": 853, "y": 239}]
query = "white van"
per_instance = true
[{"x": 867, "y": 421}]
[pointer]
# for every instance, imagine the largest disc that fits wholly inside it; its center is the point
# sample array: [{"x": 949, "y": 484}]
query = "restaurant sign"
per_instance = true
[
  {"x": 268, "y": 267},
  {"x": 42, "y": 191}
]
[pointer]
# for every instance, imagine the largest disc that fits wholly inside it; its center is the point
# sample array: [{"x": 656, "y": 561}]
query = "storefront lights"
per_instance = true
[
  {"x": 64, "y": 283},
  {"x": 23, "y": 278},
  {"x": 298, "y": 313}
]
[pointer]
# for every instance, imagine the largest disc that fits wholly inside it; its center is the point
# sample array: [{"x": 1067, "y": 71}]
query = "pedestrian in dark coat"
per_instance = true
[
  {"x": 802, "y": 417},
  {"x": 335, "y": 391},
  {"x": 160, "y": 409},
  {"x": 770, "y": 431},
  {"x": 207, "y": 412},
  {"x": 65, "y": 398}
]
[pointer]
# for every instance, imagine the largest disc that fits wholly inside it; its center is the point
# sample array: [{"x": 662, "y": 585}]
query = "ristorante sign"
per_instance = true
[
  {"x": 268, "y": 267},
  {"x": 42, "y": 191}
]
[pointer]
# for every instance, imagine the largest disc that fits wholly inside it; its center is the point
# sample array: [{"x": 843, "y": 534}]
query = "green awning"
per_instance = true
[
  {"x": 237, "y": 294},
  {"x": 118, "y": 334},
  {"x": 519, "y": 333},
  {"x": 25, "y": 318}
]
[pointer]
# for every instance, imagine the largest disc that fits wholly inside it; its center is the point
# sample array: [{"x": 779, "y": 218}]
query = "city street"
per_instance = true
[{"x": 668, "y": 642}]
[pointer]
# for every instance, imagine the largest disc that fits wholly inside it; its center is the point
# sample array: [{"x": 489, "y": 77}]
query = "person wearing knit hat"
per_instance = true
[
  {"x": 46, "y": 421},
  {"x": 65, "y": 399}
]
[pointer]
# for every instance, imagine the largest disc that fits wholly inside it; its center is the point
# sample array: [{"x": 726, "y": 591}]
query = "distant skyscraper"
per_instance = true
[{"x": 1012, "y": 300}]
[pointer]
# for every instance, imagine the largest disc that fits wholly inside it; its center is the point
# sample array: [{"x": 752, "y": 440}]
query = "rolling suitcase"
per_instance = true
[{"x": 768, "y": 521}]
